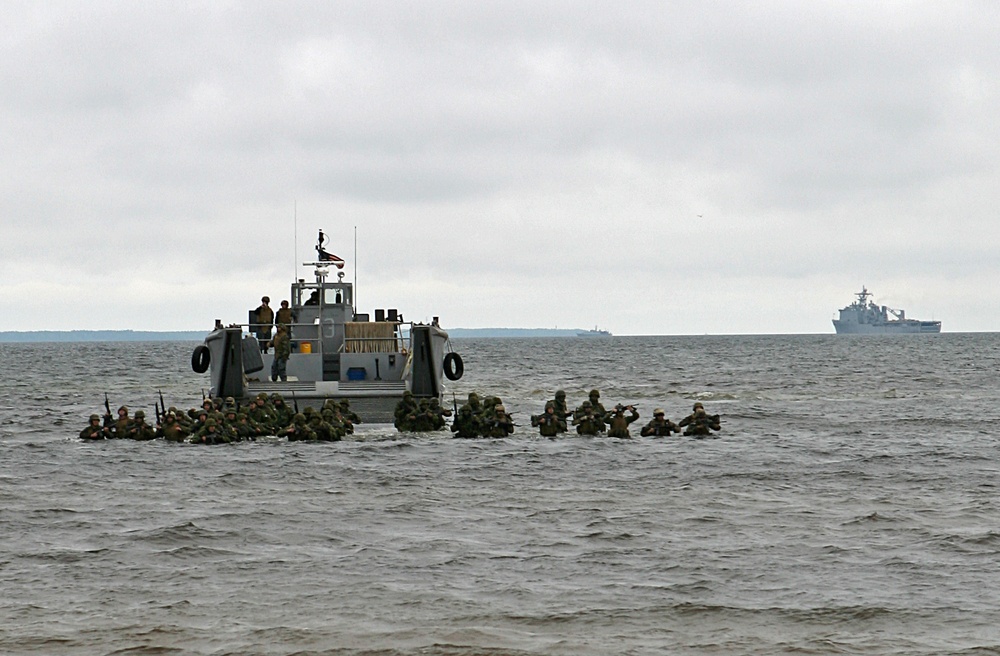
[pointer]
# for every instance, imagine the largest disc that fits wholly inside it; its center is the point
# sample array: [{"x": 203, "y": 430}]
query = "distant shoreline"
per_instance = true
[{"x": 198, "y": 335}]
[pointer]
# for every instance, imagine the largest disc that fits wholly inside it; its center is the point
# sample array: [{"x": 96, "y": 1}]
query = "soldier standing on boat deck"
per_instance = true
[
  {"x": 282, "y": 351},
  {"x": 284, "y": 315},
  {"x": 265, "y": 317}
]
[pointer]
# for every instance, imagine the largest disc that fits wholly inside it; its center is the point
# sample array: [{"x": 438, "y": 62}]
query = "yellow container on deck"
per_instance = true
[{"x": 305, "y": 347}]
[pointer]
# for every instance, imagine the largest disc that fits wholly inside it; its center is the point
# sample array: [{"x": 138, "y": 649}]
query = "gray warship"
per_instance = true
[
  {"x": 864, "y": 317},
  {"x": 337, "y": 352}
]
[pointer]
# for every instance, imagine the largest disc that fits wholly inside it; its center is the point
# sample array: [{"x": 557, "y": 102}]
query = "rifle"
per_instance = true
[
  {"x": 156, "y": 411},
  {"x": 107, "y": 417},
  {"x": 163, "y": 406},
  {"x": 295, "y": 402}
]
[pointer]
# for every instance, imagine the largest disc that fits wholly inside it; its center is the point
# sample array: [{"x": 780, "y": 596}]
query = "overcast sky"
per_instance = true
[{"x": 648, "y": 167}]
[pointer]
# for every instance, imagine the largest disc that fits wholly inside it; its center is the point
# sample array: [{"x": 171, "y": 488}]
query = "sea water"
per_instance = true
[{"x": 848, "y": 506}]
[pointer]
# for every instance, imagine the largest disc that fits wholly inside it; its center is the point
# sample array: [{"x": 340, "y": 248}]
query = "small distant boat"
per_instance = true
[
  {"x": 593, "y": 333},
  {"x": 863, "y": 317}
]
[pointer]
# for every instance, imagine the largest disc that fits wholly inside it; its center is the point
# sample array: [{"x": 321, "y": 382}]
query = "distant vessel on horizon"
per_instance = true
[
  {"x": 593, "y": 333},
  {"x": 863, "y": 317}
]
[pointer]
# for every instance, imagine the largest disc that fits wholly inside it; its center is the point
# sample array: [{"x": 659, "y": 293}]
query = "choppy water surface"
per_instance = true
[{"x": 850, "y": 505}]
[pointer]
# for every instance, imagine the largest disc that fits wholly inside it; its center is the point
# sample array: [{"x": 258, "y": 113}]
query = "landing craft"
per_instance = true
[
  {"x": 337, "y": 353},
  {"x": 863, "y": 317}
]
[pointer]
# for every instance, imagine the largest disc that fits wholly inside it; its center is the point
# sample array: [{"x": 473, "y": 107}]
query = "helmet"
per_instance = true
[
  {"x": 299, "y": 418},
  {"x": 93, "y": 417},
  {"x": 560, "y": 394},
  {"x": 587, "y": 404},
  {"x": 124, "y": 407},
  {"x": 265, "y": 299},
  {"x": 658, "y": 412},
  {"x": 210, "y": 423},
  {"x": 140, "y": 414},
  {"x": 698, "y": 405},
  {"x": 594, "y": 394}
]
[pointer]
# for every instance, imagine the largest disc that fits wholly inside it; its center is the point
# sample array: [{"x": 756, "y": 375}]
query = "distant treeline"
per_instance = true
[
  {"x": 511, "y": 332},
  {"x": 198, "y": 335},
  {"x": 101, "y": 336}
]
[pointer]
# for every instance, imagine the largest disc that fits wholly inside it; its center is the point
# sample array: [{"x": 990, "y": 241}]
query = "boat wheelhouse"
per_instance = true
[{"x": 336, "y": 352}]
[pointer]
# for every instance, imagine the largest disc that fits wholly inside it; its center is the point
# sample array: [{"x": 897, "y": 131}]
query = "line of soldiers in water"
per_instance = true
[
  {"x": 489, "y": 418},
  {"x": 220, "y": 421}
]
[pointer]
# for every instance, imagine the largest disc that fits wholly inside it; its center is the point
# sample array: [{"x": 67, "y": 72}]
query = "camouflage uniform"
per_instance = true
[
  {"x": 405, "y": 415},
  {"x": 618, "y": 422},
  {"x": 282, "y": 351},
  {"x": 659, "y": 426},
  {"x": 586, "y": 421},
  {"x": 282, "y": 414},
  {"x": 94, "y": 429},
  {"x": 139, "y": 429},
  {"x": 265, "y": 317},
  {"x": 467, "y": 421},
  {"x": 561, "y": 410},
  {"x": 549, "y": 424},
  {"x": 498, "y": 423},
  {"x": 298, "y": 430},
  {"x": 599, "y": 410},
  {"x": 120, "y": 428},
  {"x": 699, "y": 423},
  {"x": 284, "y": 315},
  {"x": 171, "y": 430},
  {"x": 209, "y": 434}
]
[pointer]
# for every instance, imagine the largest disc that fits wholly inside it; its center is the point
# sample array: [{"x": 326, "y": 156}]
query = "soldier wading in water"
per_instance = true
[{"x": 699, "y": 423}]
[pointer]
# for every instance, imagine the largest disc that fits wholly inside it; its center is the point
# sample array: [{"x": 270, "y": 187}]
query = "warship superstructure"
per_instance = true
[
  {"x": 337, "y": 352},
  {"x": 864, "y": 317}
]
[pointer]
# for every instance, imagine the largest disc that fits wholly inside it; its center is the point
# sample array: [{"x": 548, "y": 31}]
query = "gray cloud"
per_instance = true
[{"x": 515, "y": 151}]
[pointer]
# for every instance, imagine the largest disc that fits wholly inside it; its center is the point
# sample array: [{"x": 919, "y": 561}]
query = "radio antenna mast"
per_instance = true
[
  {"x": 355, "y": 295},
  {"x": 295, "y": 252}
]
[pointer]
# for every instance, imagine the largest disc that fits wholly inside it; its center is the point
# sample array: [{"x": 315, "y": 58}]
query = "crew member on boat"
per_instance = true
[
  {"x": 282, "y": 351},
  {"x": 265, "y": 317}
]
